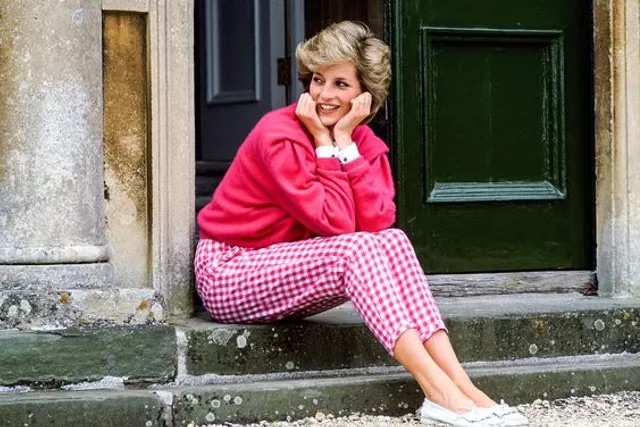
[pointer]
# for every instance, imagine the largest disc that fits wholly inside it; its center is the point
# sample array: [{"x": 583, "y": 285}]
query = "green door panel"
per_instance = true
[{"x": 494, "y": 133}]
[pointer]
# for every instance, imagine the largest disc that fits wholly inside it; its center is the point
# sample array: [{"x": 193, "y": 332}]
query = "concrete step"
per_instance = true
[
  {"x": 251, "y": 399},
  {"x": 50, "y": 359},
  {"x": 395, "y": 393},
  {"x": 111, "y": 408},
  {"x": 482, "y": 329}
]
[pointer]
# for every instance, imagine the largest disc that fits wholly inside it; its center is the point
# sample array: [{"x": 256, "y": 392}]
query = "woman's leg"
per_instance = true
[
  {"x": 376, "y": 293},
  {"x": 303, "y": 278},
  {"x": 411, "y": 281},
  {"x": 440, "y": 349},
  {"x": 240, "y": 285},
  {"x": 410, "y": 274},
  {"x": 434, "y": 382}
]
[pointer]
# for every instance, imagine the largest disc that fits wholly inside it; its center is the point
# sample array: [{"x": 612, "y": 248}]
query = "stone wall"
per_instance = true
[{"x": 80, "y": 240}]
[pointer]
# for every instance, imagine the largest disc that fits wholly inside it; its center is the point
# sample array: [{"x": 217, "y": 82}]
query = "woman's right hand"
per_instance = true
[{"x": 308, "y": 115}]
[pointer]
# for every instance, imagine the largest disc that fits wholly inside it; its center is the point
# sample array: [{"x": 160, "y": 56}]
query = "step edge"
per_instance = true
[{"x": 475, "y": 369}]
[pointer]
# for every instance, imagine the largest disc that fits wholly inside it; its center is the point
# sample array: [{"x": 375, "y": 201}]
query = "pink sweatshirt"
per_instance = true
[{"x": 277, "y": 190}]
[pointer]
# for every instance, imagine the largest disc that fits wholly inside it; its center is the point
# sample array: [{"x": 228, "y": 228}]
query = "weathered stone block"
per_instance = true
[
  {"x": 556, "y": 378},
  {"x": 546, "y": 334},
  {"x": 41, "y": 359},
  {"x": 29, "y": 308},
  {"x": 86, "y": 408},
  {"x": 24, "y": 308},
  {"x": 305, "y": 346},
  {"x": 286, "y": 400}
]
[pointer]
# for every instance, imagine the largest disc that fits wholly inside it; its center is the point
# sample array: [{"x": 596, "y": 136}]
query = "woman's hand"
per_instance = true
[
  {"x": 308, "y": 115},
  {"x": 360, "y": 109}
]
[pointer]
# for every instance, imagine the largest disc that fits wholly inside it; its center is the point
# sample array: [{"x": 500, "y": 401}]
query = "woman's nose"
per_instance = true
[{"x": 326, "y": 93}]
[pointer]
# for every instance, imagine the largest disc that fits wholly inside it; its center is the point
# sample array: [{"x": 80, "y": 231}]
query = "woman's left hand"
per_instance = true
[{"x": 360, "y": 109}]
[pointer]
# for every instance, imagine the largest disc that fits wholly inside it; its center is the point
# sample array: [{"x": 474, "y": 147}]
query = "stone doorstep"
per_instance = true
[
  {"x": 389, "y": 393},
  {"x": 482, "y": 328}
]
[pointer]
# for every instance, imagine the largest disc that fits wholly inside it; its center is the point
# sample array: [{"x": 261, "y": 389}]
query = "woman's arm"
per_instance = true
[
  {"x": 373, "y": 192},
  {"x": 314, "y": 191}
]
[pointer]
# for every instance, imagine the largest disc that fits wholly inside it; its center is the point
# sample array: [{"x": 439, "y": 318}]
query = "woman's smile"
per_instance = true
[{"x": 328, "y": 107}]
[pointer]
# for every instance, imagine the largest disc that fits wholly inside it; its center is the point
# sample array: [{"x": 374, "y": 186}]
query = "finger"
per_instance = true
[
  {"x": 364, "y": 98},
  {"x": 310, "y": 104},
  {"x": 306, "y": 104},
  {"x": 356, "y": 104},
  {"x": 303, "y": 98},
  {"x": 368, "y": 99},
  {"x": 310, "y": 107},
  {"x": 359, "y": 105},
  {"x": 301, "y": 103}
]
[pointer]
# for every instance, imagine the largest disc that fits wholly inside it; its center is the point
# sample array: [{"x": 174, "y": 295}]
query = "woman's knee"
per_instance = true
[
  {"x": 393, "y": 235},
  {"x": 362, "y": 244}
]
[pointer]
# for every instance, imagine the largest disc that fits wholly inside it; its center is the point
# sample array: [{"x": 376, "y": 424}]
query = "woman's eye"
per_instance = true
[
  {"x": 317, "y": 80},
  {"x": 342, "y": 84}
]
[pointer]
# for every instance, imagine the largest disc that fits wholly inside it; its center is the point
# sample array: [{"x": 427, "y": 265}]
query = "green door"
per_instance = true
[{"x": 493, "y": 107}]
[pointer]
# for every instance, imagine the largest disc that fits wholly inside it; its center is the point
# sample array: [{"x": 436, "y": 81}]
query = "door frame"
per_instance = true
[
  {"x": 617, "y": 101},
  {"x": 617, "y": 132}
]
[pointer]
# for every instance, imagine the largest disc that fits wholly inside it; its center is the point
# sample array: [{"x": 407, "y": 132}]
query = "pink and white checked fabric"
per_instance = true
[{"x": 378, "y": 272}]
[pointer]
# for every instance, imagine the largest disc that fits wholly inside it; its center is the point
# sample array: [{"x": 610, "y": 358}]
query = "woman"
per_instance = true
[{"x": 300, "y": 224}]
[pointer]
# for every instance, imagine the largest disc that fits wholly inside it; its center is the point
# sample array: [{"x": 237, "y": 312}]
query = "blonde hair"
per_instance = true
[{"x": 353, "y": 42}]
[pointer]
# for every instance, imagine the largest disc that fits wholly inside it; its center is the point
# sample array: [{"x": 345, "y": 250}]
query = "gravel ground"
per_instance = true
[{"x": 612, "y": 410}]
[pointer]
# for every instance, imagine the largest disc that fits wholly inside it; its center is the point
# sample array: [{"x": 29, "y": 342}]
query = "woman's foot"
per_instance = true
[
  {"x": 509, "y": 415},
  {"x": 452, "y": 399},
  {"x": 478, "y": 397},
  {"x": 431, "y": 412}
]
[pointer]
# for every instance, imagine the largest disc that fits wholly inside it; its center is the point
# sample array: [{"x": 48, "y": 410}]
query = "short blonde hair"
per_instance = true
[{"x": 349, "y": 41}]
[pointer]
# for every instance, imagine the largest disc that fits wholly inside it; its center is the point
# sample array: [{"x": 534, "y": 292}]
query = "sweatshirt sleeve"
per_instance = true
[
  {"x": 373, "y": 192},
  {"x": 314, "y": 191}
]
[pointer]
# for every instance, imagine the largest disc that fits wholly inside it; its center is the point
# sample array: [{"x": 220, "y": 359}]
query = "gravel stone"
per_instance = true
[{"x": 608, "y": 410}]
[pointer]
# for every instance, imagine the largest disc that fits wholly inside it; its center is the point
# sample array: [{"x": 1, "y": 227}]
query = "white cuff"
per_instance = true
[
  {"x": 348, "y": 153},
  {"x": 326, "y": 151}
]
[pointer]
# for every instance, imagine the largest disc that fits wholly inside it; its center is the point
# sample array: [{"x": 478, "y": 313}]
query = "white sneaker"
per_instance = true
[
  {"x": 509, "y": 415},
  {"x": 431, "y": 412}
]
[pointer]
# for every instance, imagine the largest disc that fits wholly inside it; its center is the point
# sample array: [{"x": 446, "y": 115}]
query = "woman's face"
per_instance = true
[{"x": 333, "y": 88}]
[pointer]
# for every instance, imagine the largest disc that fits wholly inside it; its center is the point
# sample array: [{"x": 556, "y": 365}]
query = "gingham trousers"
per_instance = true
[{"x": 378, "y": 272}]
